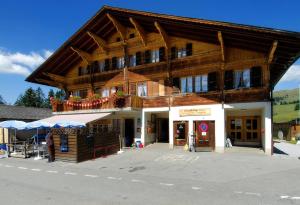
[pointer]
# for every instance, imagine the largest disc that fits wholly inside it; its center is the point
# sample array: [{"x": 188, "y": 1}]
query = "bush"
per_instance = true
[{"x": 297, "y": 107}]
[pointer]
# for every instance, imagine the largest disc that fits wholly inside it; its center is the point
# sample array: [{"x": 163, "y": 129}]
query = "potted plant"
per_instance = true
[{"x": 119, "y": 99}]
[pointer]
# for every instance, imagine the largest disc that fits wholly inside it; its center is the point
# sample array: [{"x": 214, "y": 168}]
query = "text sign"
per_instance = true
[{"x": 195, "y": 112}]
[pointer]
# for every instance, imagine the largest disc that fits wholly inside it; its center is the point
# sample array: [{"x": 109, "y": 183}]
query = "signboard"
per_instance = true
[
  {"x": 3, "y": 151},
  {"x": 195, "y": 112},
  {"x": 203, "y": 127}
]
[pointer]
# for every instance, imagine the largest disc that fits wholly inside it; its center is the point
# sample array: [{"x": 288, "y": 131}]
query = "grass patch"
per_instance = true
[{"x": 284, "y": 113}]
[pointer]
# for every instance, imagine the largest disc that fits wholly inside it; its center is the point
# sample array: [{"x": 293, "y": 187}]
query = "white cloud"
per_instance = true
[
  {"x": 293, "y": 74},
  {"x": 21, "y": 63}
]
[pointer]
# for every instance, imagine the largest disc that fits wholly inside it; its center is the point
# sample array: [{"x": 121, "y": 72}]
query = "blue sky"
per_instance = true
[{"x": 32, "y": 29}]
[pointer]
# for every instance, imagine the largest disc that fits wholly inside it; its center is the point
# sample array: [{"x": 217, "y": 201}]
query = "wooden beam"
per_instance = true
[
  {"x": 221, "y": 40},
  {"x": 163, "y": 34},
  {"x": 120, "y": 28},
  {"x": 139, "y": 29},
  {"x": 99, "y": 41},
  {"x": 272, "y": 51},
  {"x": 84, "y": 55},
  {"x": 55, "y": 77}
]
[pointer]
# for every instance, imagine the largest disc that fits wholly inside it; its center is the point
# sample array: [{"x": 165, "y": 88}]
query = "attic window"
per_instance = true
[
  {"x": 118, "y": 39},
  {"x": 131, "y": 35}
]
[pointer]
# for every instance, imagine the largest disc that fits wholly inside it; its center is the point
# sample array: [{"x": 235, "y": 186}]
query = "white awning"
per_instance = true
[{"x": 82, "y": 118}]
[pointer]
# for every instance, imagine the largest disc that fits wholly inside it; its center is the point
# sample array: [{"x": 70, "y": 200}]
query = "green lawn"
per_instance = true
[{"x": 284, "y": 113}]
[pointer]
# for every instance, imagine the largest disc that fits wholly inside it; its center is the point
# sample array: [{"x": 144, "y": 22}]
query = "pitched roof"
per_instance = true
[
  {"x": 235, "y": 35},
  {"x": 10, "y": 112}
]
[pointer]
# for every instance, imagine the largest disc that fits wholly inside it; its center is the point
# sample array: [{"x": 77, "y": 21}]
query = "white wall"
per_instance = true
[{"x": 217, "y": 115}]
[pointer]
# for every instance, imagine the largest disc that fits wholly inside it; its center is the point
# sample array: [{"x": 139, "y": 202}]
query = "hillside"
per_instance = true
[{"x": 284, "y": 105}]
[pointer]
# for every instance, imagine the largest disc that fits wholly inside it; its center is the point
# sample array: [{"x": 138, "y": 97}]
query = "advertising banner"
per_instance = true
[{"x": 3, "y": 151}]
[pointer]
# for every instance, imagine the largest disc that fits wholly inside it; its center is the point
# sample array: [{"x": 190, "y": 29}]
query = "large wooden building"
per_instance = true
[{"x": 163, "y": 78}]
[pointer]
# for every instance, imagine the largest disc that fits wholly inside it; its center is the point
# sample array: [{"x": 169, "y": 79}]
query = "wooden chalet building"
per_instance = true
[{"x": 162, "y": 78}]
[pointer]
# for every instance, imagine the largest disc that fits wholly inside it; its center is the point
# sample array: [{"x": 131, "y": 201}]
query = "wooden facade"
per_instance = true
[{"x": 131, "y": 59}]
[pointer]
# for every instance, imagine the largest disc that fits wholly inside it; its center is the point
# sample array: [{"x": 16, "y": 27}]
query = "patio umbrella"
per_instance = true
[
  {"x": 38, "y": 125},
  {"x": 13, "y": 124},
  {"x": 68, "y": 124}
]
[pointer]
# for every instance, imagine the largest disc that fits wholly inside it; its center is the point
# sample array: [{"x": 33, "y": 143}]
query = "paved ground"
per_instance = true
[
  {"x": 154, "y": 175},
  {"x": 285, "y": 148}
]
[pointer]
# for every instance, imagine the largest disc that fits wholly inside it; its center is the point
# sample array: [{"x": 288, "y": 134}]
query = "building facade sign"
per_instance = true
[{"x": 194, "y": 112}]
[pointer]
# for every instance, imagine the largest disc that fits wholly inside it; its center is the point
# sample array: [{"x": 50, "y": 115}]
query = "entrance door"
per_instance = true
[
  {"x": 180, "y": 133},
  {"x": 129, "y": 132},
  {"x": 205, "y": 135},
  {"x": 163, "y": 130},
  {"x": 244, "y": 130}
]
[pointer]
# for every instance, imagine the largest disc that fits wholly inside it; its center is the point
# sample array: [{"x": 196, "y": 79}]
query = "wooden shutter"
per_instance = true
[
  {"x": 212, "y": 81},
  {"x": 189, "y": 49},
  {"x": 95, "y": 67},
  {"x": 161, "y": 87},
  {"x": 114, "y": 62},
  {"x": 80, "y": 71},
  {"x": 228, "y": 80},
  {"x": 176, "y": 85},
  {"x": 162, "y": 54},
  {"x": 147, "y": 56},
  {"x": 173, "y": 53},
  {"x": 106, "y": 64},
  {"x": 138, "y": 56},
  {"x": 132, "y": 88},
  {"x": 256, "y": 76}
]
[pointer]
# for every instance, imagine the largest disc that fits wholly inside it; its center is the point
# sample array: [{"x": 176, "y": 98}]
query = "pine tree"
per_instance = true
[{"x": 2, "y": 101}]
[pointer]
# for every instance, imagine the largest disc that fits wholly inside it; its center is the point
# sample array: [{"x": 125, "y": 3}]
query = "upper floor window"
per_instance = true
[
  {"x": 142, "y": 89},
  {"x": 201, "y": 83},
  {"x": 131, "y": 35},
  {"x": 181, "y": 53},
  {"x": 105, "y": 92},
  {"x": 242, "y": 78},
  {"x": 246, "y": 78},
  {"x": 155, "y": 56},
  {"x": 80, "y": 93},
  {"x": 132, "y": 60},
  {"x": 196, "y": 84},
  {"x": 120, "y": 62}
]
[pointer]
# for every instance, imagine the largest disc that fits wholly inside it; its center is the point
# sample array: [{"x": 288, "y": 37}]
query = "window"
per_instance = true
[
  {"x": 132, "y": 60},
  {"x": 120, "y": 62},
  {"x": 113, "y": 90},
  {"x": 155, "y": 56},
  {"x": 196, "y": 84},
  {"x": 181, "y": 53},
  {"x": 242, "y": 78},
  {"x": 118, "y": 39},
  {"x": 189, "y": 88},
  {"x": 101, "y": 66},
  {"x": 183, "y": 85},
  {"x": 105, "y": 92},
  {"x": 131, "y": 35},
  {"x": 80, "y": 93},
  {"x": 142, "y": 89}
]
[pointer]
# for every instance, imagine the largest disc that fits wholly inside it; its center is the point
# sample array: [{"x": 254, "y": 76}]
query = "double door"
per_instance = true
[{"x": 244, "y": 130}]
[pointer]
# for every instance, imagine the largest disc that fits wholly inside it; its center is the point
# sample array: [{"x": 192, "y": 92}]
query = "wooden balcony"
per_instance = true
[{"x": 112, "y": 102}]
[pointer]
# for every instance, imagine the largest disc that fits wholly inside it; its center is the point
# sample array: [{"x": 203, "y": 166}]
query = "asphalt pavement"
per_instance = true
[{"x": 154, "y": 175}]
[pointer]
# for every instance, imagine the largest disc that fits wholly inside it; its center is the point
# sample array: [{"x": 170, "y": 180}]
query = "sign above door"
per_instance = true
[{"x": 194, "y": 112}]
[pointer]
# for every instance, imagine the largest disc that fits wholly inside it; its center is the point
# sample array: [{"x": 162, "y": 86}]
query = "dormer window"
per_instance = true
[
  {"x": 131, "y": 35},
  {"x": 118, "y": 39}
]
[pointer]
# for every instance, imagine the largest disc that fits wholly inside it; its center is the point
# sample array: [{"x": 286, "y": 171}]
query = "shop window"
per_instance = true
[
  {"x": 105, "y": 92},
  {"x": 132, "y": 60},
  {"x": 180, "y": 131},
  {"x": 242, "y": 78},
  {"x": 142, "y": 89}
]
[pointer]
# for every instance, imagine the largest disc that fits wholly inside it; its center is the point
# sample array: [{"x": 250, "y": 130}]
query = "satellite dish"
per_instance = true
[{"x": 280, "y": 135}]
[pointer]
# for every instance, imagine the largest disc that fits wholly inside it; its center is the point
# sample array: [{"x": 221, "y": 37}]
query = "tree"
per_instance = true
[
  {"x": 2, "y": 101},
  {"x": 60, "y": 94},
  {"x": 297, "y": 107},
  {"x": 32, "y": 98},
  {"x": 47, "y": 103}
]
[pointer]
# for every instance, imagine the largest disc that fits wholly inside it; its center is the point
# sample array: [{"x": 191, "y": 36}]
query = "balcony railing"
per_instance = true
[{"x": 113, "y": 102}]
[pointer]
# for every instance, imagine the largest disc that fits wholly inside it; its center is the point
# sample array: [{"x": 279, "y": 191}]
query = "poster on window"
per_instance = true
[
  {"x": 3, "y": 151},
  {"x": 64, "y": 144}
]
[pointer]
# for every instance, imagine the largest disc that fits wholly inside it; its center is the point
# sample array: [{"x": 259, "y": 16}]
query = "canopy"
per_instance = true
[
  {"x": 38, "y": 125},
  {"x": 13, "y": 124},
  {"x": 73, "y": 120}
]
